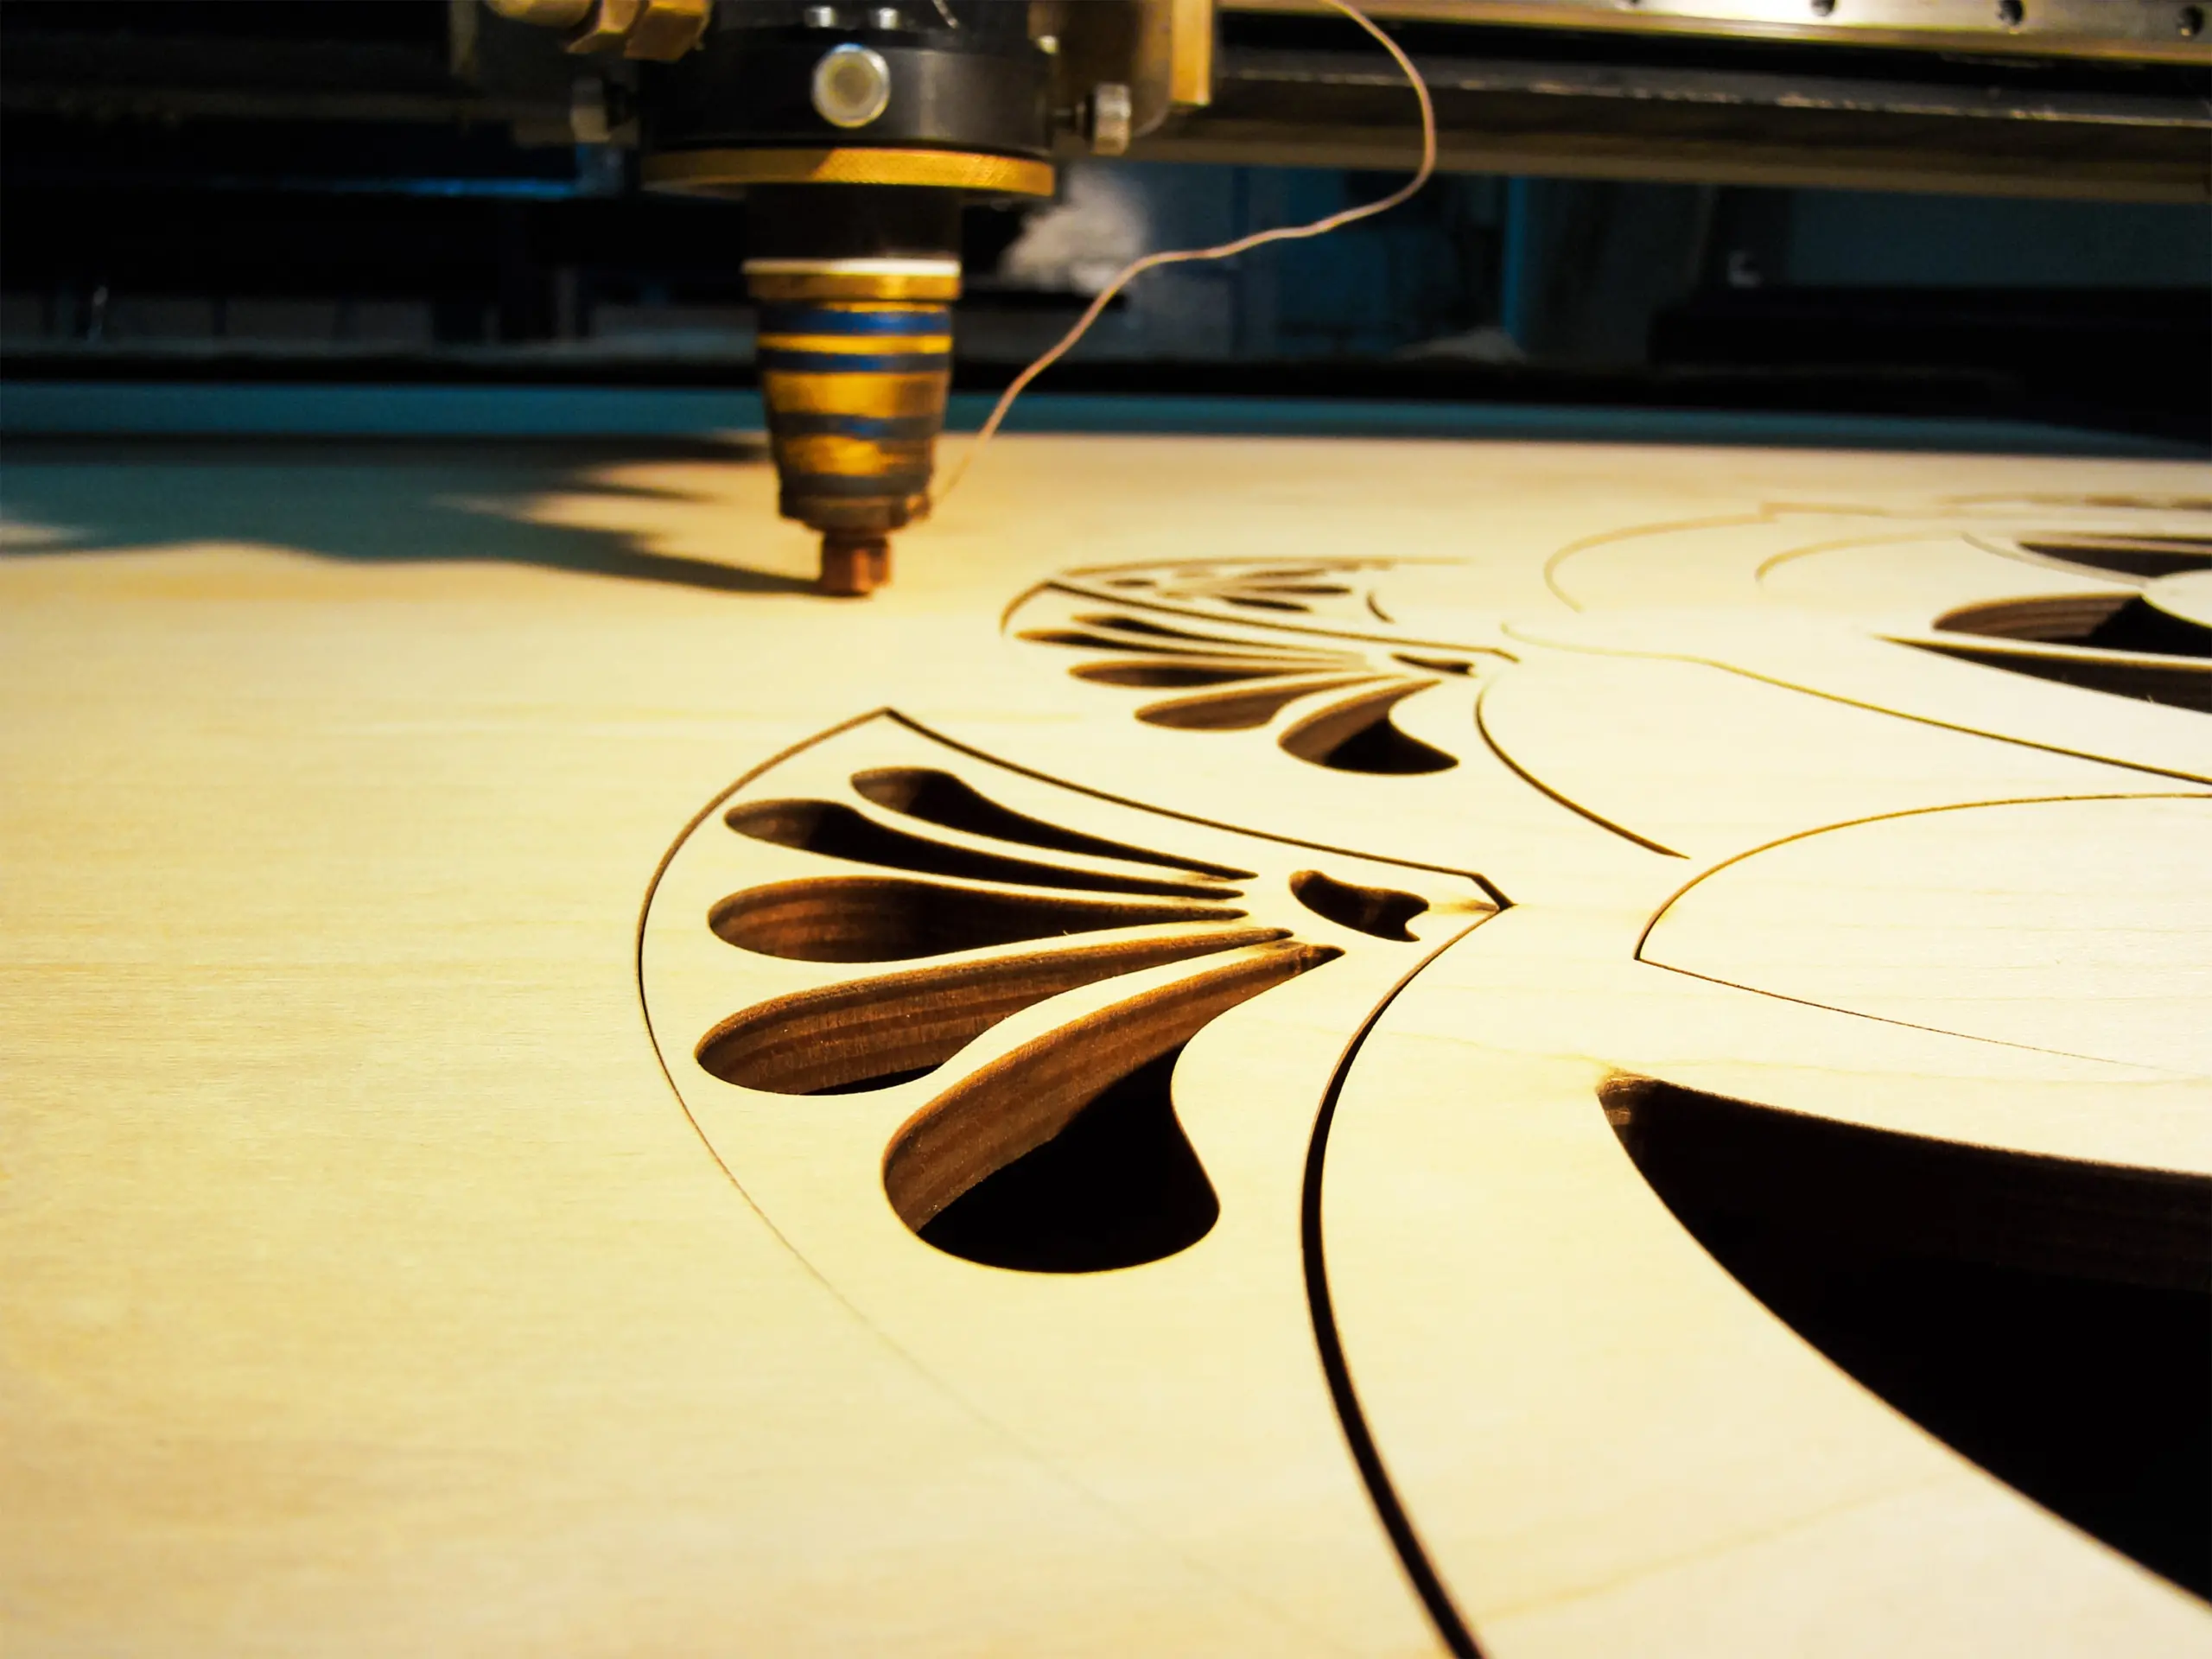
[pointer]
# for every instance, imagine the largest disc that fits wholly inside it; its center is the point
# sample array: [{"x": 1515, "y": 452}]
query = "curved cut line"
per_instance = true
[
  {"x": 1245, "y": 708},
  {"x": 1381, "y": 913},
  {"x": 938, "y": 797},
  {"x": 1359, "y": 1437},
  {"x": 835, "y": 830},
  {"x": 837, "y": 1036},
  {"x": 1022, "y": 1099},
  {"x": 1253, "y": 602},
  {"x": 890, "y": 918},
  {"x": 1184, "y": 671},
  {"x": 1504, "y": 757},
  {"x": 1359, "y": 735}
]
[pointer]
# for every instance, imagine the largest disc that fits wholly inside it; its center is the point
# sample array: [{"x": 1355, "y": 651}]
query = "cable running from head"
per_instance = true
[{"x": 1137, "y": 267}]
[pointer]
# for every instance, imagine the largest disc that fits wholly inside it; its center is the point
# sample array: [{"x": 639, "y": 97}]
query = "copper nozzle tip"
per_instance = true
[{"x": 852, "y": 565}]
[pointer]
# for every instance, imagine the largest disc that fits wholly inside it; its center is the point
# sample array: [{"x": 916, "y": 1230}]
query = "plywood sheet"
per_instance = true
[{"x": 427, "y": 1232}]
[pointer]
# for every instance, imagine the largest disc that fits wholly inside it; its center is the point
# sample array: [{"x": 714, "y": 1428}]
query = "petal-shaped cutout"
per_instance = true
[
  {"x": 1244, "y": 708},
  {"x": 939, "y": 798},
  {"x": 1382, "y": 911},
  {"x": 1190, "y": 671},
  {"x": 1022, "y": 1099},
  {"x": 1438, "y": 664},
  {"x": 1121, "y": 624},
  {"x": 1084, "y": 639},
  {"x": 1120, "y": 1186},
  {"x": 1358, "y": 735},
  {"x": 834, "y": 1036},
  {"x": 835, "y": 830},
  {"x": 887, "y": 918}
]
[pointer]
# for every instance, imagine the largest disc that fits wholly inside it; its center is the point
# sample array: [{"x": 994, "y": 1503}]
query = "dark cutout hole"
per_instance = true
[
  {"x": 2129, "y": 556},
  {"x": 1382, "y": 911},
  {"x": 1085, "y": 640},
  {"x": 837, "y": 831},
  {"x": 1252, "y": 603},
  {"x": 1010, "y": 1106},
  {"x": 1226, "y": 650},
  {"x": 1241, "y": 710},
  {"x": 2140, "y": 626},
  {"x": 884, "y": 918},
  {"x": 1130, "y": 581},
  {"x": 1163, "y": 676},
  {"x": 2171, "y": 684},
  {"x": 939, "y": 798},
  {"x": 1308, "y": 589},
  {"x": 1434, "y": 664},
  {"x": 1359, "y": 735},
  {"x": 1160, "y": 630},
  {"x": 2048, "y": 1319},
  {"x": 1119, "y": 1187},
  {"x": 2049, "y": 618},
  {"x": 880, "y": 1080}
]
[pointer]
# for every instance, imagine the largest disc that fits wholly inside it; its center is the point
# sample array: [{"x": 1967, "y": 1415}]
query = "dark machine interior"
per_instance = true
[{"x": 387, "y": 192}]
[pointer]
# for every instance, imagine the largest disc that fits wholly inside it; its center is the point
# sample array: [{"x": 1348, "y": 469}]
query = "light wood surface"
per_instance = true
[{"x": 387, "y": 832}]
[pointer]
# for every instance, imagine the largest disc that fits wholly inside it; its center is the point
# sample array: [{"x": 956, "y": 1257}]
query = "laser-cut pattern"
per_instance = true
[
  {"x": 1120, "y": 967},
  {"x": 1022, "y": 1090}
]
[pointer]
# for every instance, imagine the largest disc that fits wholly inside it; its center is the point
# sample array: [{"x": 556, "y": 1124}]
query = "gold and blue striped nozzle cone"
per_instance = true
[{"x": 854, "y": 367}]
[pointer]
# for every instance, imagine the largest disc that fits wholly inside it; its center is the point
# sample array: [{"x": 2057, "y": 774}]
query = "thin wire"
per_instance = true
[{"x": 1226, "y": 250}]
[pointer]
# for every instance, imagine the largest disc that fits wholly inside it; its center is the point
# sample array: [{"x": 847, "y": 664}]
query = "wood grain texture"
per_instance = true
[{"x": 368, "y": 1290}]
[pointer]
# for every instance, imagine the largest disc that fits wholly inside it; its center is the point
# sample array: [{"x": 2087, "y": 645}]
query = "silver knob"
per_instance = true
[{"x": 851, "y": 86}]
